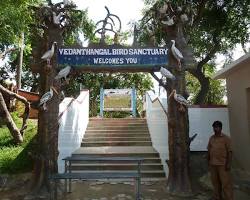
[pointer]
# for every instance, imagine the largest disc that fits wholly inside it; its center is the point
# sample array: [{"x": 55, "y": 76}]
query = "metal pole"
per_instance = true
[
  {"x": 101, "y": 101},
  {"x": 66, "y": 171},
  {"x": 134, "y": 101},
  {"x": 139, "y": 181},
  {"x": 19, "y": 67}
]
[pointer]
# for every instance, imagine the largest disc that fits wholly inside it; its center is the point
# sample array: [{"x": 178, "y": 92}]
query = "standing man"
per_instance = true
[{"x": 219, "y": 160}]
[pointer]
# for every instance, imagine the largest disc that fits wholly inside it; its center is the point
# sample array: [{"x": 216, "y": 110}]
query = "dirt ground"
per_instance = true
[
  {"x": 16, "y": 187},
  {"x": 109, "y": 190}
]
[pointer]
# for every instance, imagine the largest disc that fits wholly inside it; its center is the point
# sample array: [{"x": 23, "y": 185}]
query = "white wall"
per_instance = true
[
  {"x": 158, "y": 128},
  {"x": 200, "y": 122},
  {"x": 73, "y": 123}
]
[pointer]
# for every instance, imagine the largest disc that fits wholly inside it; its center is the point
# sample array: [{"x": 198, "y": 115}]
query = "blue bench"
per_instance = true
[{"x": 68, "y": 175}]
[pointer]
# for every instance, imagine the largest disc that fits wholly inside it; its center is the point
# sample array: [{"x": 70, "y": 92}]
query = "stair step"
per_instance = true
[
  {"x": 117, "y": 131},
  {"x": 144, "y": 173},
  {"x": 147, "y": 160},
  {"x": 117, "y": 124},
  {"x": 106, "y": 139},
  {"x": 116, "y": 151},
  {"x": 118, "y": 119},
  {"x": 116, "y": 143},
  {"x": 98, "y": 134},
  {"x": 146, "y": 155},
  {"x": 127, "y": 137},
  {"x": 122, "y": 135},
  {"x": 118, "y": 128},
  {"x": 115, "y": 166}
]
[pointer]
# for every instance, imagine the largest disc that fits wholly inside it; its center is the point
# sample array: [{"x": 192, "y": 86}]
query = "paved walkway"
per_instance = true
[
  {"x": 101, "y": 190},
  {"x": 17, "y": 187}
]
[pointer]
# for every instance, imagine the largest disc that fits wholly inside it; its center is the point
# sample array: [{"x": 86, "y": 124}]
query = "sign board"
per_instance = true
[
  {"x": 112, "y": 57},
  {"x": 117, "y": 100}
]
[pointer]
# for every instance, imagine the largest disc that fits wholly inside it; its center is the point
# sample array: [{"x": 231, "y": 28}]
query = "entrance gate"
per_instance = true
[{"x": 113, "y": 58}]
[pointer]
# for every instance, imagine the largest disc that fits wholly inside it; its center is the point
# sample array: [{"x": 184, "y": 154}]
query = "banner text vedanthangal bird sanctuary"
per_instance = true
[{"x": 81, "y": 57}]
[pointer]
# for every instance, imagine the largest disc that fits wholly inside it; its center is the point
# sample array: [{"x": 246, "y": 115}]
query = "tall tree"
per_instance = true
[
  {"x": 213, "y": 27},
  {"x": 54, "y": 26},
  {"x": 200, "y": 29}
]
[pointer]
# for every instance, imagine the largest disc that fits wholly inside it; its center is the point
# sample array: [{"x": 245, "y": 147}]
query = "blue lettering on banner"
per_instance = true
[{"x": 80, "y": 57}]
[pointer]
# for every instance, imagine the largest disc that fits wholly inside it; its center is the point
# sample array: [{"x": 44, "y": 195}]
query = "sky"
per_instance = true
[{"x": 127, "y": 10}]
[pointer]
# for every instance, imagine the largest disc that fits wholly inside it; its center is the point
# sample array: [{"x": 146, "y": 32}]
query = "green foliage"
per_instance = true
[
  {"x": 15, "y": 17},
  {"x": 214, "y": 27},
  {"x": 19, "y": 16},
  {"x": 15, "y": 159},
  {"x": 224, "y": 25},
  {"x": 216, "y": 92},
  {"x": 80, "y": 24}
]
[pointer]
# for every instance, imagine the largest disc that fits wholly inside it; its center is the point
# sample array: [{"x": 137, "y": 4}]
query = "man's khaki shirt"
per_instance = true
[{"x": 218, "y": 148}]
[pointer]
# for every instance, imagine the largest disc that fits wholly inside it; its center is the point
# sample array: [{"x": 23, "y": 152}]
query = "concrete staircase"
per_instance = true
[{"x": 124, "y": 137}]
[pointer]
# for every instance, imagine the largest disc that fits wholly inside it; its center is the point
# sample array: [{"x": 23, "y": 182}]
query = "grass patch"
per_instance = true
[{"x": 15, "y": 158}]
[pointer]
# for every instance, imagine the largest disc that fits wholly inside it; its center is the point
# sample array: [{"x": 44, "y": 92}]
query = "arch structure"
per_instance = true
[{"x": 100, "y": 57}]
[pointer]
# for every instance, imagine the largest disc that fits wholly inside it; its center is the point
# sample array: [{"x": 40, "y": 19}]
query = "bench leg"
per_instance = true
[
  {"x": 66, "y": 180},
  {"x": 66, "y": 185},
  {"x": 138, "y": 184},
  {"x": 51, "y": 189},
  {"x": 70, "y": 180},
  {"x": 55, "y": 189},
  {"x": 70, "y": 185}
]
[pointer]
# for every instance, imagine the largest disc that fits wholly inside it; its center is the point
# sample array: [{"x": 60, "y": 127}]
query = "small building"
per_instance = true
[
  {"x": 31, "y": 97},
  {"x": 237, "y": 75}
]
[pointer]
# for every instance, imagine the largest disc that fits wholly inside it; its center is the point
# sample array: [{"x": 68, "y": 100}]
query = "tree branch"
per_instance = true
[
  {"x": 3, "y": 54},
  {"x": 191, "y": 139},
  {"x": 24, "y": 101},
  {"x": 204, "y": 82},
  {"x": 17, "y": 136},
  {"x": 243, "y": 47},
  {"x": 159, "y": 80},
  {"x": 200, "y": 10},
  {"x": 211, "y": 53}
]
